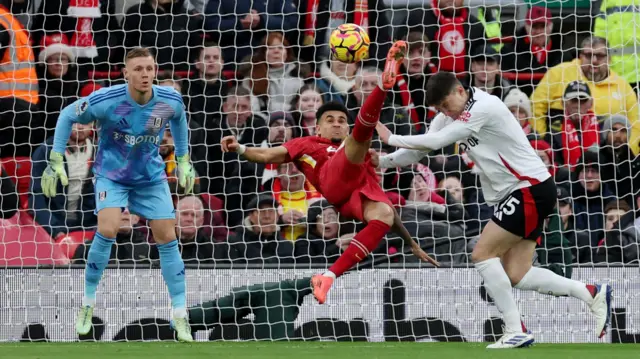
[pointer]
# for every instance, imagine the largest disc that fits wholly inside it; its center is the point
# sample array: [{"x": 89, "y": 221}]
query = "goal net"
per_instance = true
[{"x": 252, "y": 235}]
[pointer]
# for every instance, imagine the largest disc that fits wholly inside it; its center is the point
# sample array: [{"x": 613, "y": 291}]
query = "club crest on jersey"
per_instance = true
[
  {"x": 464, "y": 117},
  {"x": 157, "y": 122},
  {"x": 81, "y": 107},
  {"x": 102, "y": 195}
]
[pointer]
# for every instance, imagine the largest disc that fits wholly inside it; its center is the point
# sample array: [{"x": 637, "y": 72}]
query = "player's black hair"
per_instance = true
[
  {"x": 440, "y": 86},
  {"x": 333, "y": 106}
]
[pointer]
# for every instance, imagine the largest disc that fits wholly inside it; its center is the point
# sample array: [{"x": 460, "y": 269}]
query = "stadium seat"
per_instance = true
[
  {"x": 213, "y": 218},
  {"x": 69, "y": 243},
  {"x": 19, "y": 169},
  {"x": 25, "y": 243}
]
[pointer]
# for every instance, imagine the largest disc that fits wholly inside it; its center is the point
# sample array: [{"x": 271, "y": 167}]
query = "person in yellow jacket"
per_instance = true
[
  {"x": 619, "y": 23},
  {"x": 20, "y": 126},
  {"x": 611, "y": 93}
]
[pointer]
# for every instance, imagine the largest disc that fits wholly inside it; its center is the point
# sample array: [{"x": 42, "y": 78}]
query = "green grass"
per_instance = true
[{"x": 311, "y": 350}]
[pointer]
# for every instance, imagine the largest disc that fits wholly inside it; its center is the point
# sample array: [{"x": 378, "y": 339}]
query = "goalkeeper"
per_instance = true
[{"x": 129, "y": 172}]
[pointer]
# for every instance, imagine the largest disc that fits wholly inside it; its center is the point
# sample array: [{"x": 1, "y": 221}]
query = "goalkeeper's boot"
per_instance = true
[
  {"x": 182, "y": 328},
  {"x": 395, "y": 57},
  {"x": 601, "y": 308},
  {"x": 513, "y": 340},
  {"x": 84, "y": 320},
  {"x": 321, "y": 285}
]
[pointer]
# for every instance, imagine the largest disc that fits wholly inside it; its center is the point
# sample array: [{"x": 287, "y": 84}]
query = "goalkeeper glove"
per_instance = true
[
  {"x": 54, "y": 172},
  {"x": 186, "y": 173}
]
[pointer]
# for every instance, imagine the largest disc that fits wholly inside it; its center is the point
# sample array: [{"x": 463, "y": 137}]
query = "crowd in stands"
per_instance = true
[{"x": 260, "y": 70}]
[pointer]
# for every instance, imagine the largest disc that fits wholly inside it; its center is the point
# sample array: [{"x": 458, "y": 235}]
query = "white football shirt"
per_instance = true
[{"x": 492, "y": 138}]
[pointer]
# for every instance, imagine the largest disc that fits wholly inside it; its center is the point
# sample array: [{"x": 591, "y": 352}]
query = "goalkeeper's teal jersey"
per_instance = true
[{"x": 129, "y": 134}]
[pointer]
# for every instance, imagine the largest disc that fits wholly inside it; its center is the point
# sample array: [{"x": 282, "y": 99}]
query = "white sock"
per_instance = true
[
  {"x": 546, "y": 282},
  {"x": 180, "y": 312},
  {"x": 329, "y": 274},
  {"x": 499, "y": 288},
  {"x": 88, "y": 302}
]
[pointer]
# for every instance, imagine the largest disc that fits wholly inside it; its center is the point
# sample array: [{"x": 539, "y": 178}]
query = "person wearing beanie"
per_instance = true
[
  {"x": 520, "y": 106},
  {"x": 619, "y": 166},
  {"x": 590, "y": 197}
]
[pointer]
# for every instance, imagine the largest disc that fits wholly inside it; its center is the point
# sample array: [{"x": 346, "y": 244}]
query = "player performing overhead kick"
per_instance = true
[
  {"x": 516, "y": 182},
  {"x": 129, "y": 172},
  {"x": 337, "y": 164}
]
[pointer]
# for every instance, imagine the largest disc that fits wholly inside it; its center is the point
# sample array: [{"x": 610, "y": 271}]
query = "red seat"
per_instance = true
[
  {"x": 69, "y": 243},
  {"x": 19, "y": 169},
  {"x": 25, "y": 243},
  {"x": 213, "y": 219}
]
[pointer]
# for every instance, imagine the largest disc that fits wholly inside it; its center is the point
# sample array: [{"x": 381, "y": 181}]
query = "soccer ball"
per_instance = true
[{"x": 349, "y": 43}]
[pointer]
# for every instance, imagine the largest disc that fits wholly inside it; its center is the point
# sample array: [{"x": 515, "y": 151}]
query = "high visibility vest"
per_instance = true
[
  {"x": 619, "y": 23},
  {"x": 17, "y": 67},
  {"x": 490, "y": 19}
]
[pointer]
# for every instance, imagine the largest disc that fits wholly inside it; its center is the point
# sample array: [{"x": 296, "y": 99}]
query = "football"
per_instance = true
[{"x": 349, "y": 43}]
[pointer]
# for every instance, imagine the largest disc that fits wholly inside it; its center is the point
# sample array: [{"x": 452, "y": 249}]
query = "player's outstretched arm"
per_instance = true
[{"x": 254, "y": 154}]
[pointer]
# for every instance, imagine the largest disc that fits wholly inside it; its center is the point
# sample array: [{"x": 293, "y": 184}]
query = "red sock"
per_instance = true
[
  {"x": 369, "y": 115},
  {"x": 361, "y": 245},
  {"x": 592, "y": 289}
]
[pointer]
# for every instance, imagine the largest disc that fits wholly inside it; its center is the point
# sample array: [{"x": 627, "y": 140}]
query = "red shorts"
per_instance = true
[{"x": 346, "y": 185}]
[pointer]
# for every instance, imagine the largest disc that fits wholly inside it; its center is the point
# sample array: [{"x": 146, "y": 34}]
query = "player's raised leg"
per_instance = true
[
  {"x": 494, "y": 243},
  {"x": 379, "y": 218},
  {"x": 358, "y": 143},
  {"x": 97, "y": 260},
  {"x": 517, "y": 264}
]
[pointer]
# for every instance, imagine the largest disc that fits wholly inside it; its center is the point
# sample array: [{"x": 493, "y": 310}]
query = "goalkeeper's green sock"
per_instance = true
[
  {"x": 97, "y": 261},
  {"x": 173, "y": 273}
]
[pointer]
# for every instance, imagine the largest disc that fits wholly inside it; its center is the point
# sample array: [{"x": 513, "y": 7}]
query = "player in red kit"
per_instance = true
[{"x": 338, "y": 165}]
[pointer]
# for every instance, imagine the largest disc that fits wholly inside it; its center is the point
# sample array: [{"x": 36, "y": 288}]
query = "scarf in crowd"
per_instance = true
[
  {"x": 450, "y": 53},
  {"x": 360, "y": 17},
  {"x": 407, "y": 100},
  {"x": 574, "y": 144},
  {"x": 82, "y": 40},
  {"x": 539, "y": 52}
]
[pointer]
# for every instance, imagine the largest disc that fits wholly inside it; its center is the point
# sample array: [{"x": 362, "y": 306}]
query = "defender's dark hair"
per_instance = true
[
  {"x": 333, "y": 106},
  {"x": 440, "y": 85}
]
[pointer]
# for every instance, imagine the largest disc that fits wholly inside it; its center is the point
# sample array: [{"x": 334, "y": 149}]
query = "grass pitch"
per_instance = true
[{"x": 310, "y": 350}]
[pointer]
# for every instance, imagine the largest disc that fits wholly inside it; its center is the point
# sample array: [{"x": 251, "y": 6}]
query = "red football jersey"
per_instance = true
[{"x": 310, "y": 154}]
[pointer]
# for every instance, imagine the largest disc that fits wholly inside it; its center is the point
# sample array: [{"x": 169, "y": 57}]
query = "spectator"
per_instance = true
[
  {"x": 396, "y": 119},
  {"x": 282, "y": 128},
  {"x": 553, "y": 248},
  {"x": 611, "y": 93},
  {"x": 304, "y": 106},
  {"x": 579, "y": 130},
  {"x": 58, "y": 75},
  {"x": 412, "y": 84},
  {"x": 294, "y": 194},
  {"x": 250, "y": 130},
  {"x": 546, "y": 154},
  {"x": 259, "y": 240},
  {"x": 273, "y": 76},
  {"x": 20, "y": 124},
  {"x": 9, "y": 200},
  {"x": 196, "y": 246},
  {"x": 165, "y": 26},
  {"x": 520, "y": 106},
  {"x": 614, "y": 23},
  {"x": 453, "y": 31},
  {"x": 590, "y": 198},
  {"x": 319, "y": 18},
  {"x": 620, "y": 244},
  {"x": 320, "y": 245},
  {"x": 241, "y": 26},
  {"x": 336, "y": 79},
  {"x": 535, "y": 48},
  {"x": 207, "y": 89},
  {"x": 167, "y": 152},
  {"x": 91, "y": 27},
  {"x": 130, "y": 247},
  {"x": 620, "y": 167},
  {"x": 72, "y": 209},
  {"x": 485, "y": 72}
]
